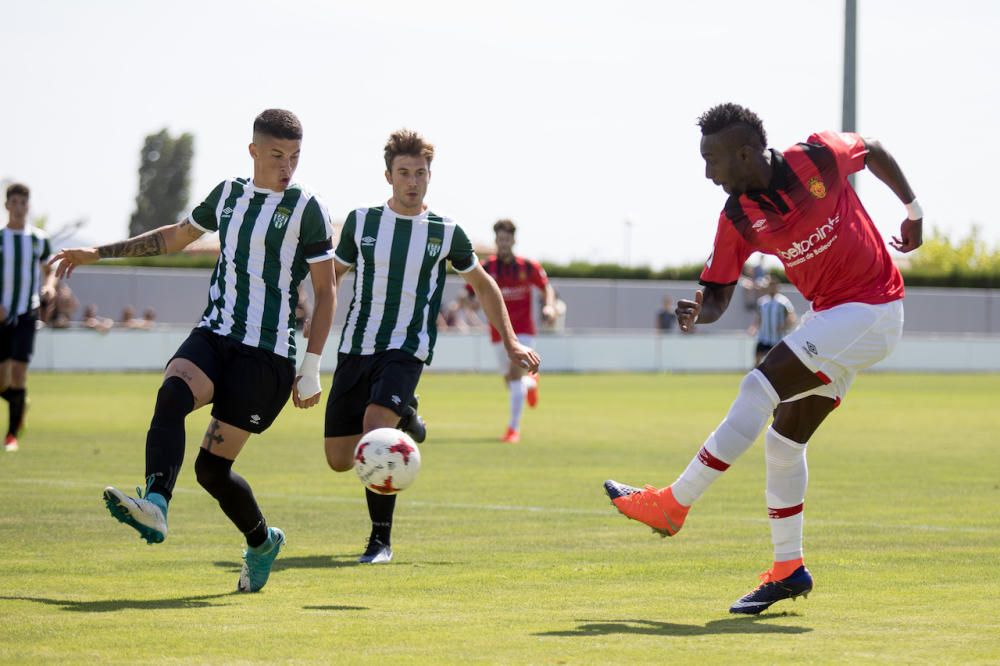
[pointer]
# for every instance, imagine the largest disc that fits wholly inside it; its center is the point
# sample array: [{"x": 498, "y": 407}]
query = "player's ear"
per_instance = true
[
  {"x": 253, "y": 150},
  {"x": 388, "y": 176}
]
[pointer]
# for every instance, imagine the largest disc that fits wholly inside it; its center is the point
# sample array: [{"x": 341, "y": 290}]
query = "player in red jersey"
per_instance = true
[
  {"x": 516, "y": 276},
  {"x": 799, "y": 206}
]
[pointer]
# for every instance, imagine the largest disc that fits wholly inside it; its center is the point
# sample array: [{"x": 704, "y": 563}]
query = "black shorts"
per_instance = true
[
  {"x": 251, "y": 385},
  {"x": 387, "y": 378},
  {"x": 17, "y": 339}
]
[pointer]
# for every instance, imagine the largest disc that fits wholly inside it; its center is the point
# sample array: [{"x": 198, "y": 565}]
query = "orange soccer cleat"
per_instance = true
[
  {"x": 651, "y": 506},
  {"x": 533, "y": 390}
]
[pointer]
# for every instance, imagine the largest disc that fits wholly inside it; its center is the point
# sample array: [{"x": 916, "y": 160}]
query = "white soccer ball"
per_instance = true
[{"x": 387, "y": 461}]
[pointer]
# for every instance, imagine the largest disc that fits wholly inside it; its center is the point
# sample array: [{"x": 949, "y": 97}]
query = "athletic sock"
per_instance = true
[
  {"x": 517, "y": 390},
  {"x": 15, "y": 396},
  {"x": 748, "y": 415},
  {"x": 5, "y": 394},
  {"x": 787, "y": 478},
  {"x": 380, "y": 510},
  {"x": 165, "y": 438},
  {"x": 216, "y": 475}
]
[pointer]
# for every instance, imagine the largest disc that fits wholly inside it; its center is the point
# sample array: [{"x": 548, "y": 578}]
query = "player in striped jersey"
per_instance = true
[
  {"x": 516, "y": 276},
  {"x": 25, "y": 281},
  {"x": 798, "y": 205},
  {"x": 240, "y": 357},
  {"x": 399, "y": 252},
  {"x": 774, "y": 317}
]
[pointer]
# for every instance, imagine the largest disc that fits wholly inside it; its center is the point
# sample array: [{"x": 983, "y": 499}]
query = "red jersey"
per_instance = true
[
  {"x": 515, "y": 279},
  {"x": 812, "y": 220}
]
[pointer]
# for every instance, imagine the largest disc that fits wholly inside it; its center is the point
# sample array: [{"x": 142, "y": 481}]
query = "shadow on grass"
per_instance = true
[
  {"x": 114, "y": 605},
  {"x": 734, "y": 625},
  {"x": 335, "y": 608},
  {"x": 320, "y": 562}
]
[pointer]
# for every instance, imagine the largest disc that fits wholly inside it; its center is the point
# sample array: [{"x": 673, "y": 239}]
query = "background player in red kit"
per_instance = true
[
  {"x": 799, "y": 206},
  {"x": 516, "y": 276}
]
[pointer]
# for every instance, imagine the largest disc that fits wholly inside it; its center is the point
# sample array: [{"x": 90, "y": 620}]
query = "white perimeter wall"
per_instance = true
[{"x": 578, "y": 352}]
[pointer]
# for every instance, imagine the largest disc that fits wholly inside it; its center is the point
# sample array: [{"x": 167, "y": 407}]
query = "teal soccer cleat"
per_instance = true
[
  {"x": 257, "y": 561},
  {"x": 146, "y": 515}
]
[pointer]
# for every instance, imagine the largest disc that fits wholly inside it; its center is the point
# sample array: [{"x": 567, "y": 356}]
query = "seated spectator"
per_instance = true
[
  {"x": 149, "y": 318},
  {"x": 462, "y": 314},
  {"x": 95, "y": 323},
  {"x": 63, "y": 306}
]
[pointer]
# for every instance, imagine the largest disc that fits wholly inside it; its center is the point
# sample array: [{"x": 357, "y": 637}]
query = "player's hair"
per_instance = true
[
  {"x": 504, "y": 225},
  {"x": 724, "y": 116},
  {"x": 407, "y": 142},
  {"x": 278, "y": 123},
  {"x": 15, "y": 189}
]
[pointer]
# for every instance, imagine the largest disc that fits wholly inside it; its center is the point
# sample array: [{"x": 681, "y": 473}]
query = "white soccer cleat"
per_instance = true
[{"x": 140, "y": 514}]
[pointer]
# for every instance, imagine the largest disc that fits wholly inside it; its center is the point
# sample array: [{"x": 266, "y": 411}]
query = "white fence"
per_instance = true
[{"x": 119, "y": 350}]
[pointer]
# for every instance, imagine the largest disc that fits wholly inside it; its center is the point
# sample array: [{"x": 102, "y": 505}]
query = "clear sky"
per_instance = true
[{"x": 569, "y": 117}]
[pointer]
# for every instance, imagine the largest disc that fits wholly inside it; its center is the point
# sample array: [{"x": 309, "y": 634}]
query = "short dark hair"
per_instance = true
[
  {"x": 407, "y": 142},
  {"x": 15, "y": 189},
  {"x": 504, "y": 225},
  {"x": 724, "y": 116},
  {"x": 278, "y": 123}
]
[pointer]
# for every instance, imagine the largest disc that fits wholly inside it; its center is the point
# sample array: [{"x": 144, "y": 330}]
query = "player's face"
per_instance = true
[
  {"x": 409, "y": 178},
  {"x": 274, "y": 161},
  {"x": 725, "y": 162},
  {"x": 17, "y": 207},
  {"x": 505, "y": 244}
]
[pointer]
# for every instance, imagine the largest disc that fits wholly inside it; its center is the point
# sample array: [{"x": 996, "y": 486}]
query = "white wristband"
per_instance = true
[
  {"x": 914, "y": 211},
  {"x": 309, "y": 384}
]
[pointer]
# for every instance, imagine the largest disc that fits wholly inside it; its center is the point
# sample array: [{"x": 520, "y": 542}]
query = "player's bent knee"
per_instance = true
[
  {"x": 174, "y": 399},
  {"x": 339, "y": 454},
  {"x": 211, "y": 470}
]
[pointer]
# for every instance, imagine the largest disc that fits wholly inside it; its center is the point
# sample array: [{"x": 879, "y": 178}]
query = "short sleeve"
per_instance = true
[
  {"x": 347, "y": 249},
  {"x": 316, "y": 232},
  {"x": 538, "y": 276},
  {"x": 848, "y": 148},
  {"x": 729, "y": 253},
  {"x": 203, "y": 216},
  {"x": 462, "y": 256}
]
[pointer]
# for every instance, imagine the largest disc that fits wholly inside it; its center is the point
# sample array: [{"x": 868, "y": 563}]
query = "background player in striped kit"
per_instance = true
[
  {"x": 240, "y": 357},
  {"x": 799, "y": 206},
  {"x": 775, "y": 316},
  {"x": 400, "y": 250},
  {"x": 25, "y": 281},
  {"x": 516, "y": 276}
]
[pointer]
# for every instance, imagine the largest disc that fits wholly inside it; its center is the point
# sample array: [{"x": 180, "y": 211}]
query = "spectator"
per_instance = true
[
  {"x": 666, "y": 319},
  {"x": 95, "y": 323},
  {"x": 63, "y": 306},
  {"x": 461, "y": 315},
  {"x": 557, "y": 322},
  {"x": 774, "y": 318}
]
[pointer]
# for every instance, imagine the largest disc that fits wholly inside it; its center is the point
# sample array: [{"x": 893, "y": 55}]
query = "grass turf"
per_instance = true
[{"x": 512, "y": 554}]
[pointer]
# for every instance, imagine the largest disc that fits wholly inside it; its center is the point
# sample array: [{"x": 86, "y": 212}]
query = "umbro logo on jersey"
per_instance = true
[
  {"x": 433, "y": 248},
  {"x": 367, "y": 241},
  {"x": 227, "y": 212},
  {"x": 281, "y": 217},
  {"x": 255, "y": 419},
  {"x": 396, "y": 400},
  {"x": 759, "y": 224}
]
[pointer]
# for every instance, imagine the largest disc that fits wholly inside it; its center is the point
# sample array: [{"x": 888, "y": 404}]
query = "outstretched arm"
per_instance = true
[
  {"x": 491, "y": 299},
  {"x": 708, "y": 305},
  {"x": 171, "y": 238},
  {"x": 883, "y": 165}
]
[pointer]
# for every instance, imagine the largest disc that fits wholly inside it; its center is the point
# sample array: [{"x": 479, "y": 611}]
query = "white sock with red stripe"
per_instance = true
[
  {"x": 787, "y": 478},
  {"x": 746, "y": 418},
  {"x": 517, "y": 393}
]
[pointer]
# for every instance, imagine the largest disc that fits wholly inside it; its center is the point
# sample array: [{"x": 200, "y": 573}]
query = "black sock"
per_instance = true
[
  {"x": 165, "y": 439},
  {"x": 216, "y": 475},
  {"x": 380, "y": 510},
  {"x": 5, "y": 394},
  {"x": 15, "y": 396}
]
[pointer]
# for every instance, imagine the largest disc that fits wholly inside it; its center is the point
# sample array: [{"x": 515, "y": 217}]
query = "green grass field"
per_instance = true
[{"x": 512, "y": 554}]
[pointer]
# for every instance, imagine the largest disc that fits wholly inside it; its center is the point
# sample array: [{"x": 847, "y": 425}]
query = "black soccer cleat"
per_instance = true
[
  {"x": 412, "y": 423},
  {"x": 799, "y": 584}
]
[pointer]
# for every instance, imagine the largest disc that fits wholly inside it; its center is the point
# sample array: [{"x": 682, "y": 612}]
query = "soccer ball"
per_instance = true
[{"x": 387, "y": 461}]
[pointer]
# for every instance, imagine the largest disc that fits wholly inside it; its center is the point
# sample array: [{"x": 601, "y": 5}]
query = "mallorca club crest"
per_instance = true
[
  {"x": 816, "y": 187},
  {"x": 433, "y": 247},
  {"x": 281, "y": 217}
]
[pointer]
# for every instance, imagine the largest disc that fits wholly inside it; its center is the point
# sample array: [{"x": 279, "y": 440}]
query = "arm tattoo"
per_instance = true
[
  {"x": 212, "y": 436},
  {"x": 146, "y": 245}
]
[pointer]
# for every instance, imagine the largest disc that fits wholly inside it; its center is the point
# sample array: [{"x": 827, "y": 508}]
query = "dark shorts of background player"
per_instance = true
[
  {"x": 17, "y": 339},
  {"x": 251, "y": 385},
  {"x": 387, "y": 379},
  {"x": 763, "y": 347}
]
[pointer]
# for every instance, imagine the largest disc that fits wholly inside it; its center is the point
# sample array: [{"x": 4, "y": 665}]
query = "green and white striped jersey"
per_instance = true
[
  {"x": 267, "y": 240},
  {"x": 399, "y": 278},
  {"x": 21, "y": 254}
]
